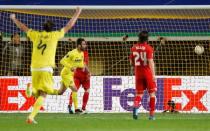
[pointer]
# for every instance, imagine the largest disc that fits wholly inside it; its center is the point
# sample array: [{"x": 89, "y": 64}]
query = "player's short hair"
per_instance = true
[
  {"x": 79, "y": 41},
  {"x": 143, "y": 36},
  {"x": 48, "y": 26}
]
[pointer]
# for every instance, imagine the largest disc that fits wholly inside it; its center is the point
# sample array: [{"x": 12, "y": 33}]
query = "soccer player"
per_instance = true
[
  {"x": 72, "y": 62},
  {"x": 142, "y": 59},
  {"x": 43, "y": 59},
  {"x": 81, "y": 78}
]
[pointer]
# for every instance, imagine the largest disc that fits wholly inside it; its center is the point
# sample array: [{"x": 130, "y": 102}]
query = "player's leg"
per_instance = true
[
  {"x": 77, "y": 83},
  {"x": 37, "y": 105},
  {"x": 47, "y": 83},
  {"x": 86, "y": 86},
  {"x": 68, "y": 81},
  {"x": 138, "y": 97},
  {"x": 75, "y": 100},
  {"x": 28, "y": 91},
  {"x": 70, "y": 104},
  {"x": 65, "y": 83},
  {"x": 62, "y": 89},
  {"x": 152, "y": 106},
  {"x": 151, "y": 87},
  {"x": 38, "y": 81},
  {"x": 136, "y": 106},
  {"x": 33, "y": 90}
]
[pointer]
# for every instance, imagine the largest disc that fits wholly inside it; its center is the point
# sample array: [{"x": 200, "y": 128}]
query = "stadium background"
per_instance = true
[
  {"x": 188, "y": 81},
  {"x": 109, "y": 63}
]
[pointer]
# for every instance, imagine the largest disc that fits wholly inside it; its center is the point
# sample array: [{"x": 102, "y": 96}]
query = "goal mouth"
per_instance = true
[{"x": 113, "y": 12}]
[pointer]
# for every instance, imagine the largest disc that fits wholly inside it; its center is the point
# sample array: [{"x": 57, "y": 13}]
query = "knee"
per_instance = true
[
  {"x": 87, "y": 90},
  {"x": 60, "y": 92},
  {"x": 42, "y": 93},
  {"x": 74, "y": 89},
  {"x": 139, "y": 94},
  {"x": 152, "y": 94}
]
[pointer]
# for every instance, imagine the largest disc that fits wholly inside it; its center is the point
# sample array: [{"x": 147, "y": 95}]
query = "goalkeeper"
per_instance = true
[{"x": 43, "y": 59}]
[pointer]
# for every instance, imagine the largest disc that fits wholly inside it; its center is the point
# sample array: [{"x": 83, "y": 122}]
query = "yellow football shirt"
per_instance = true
[
  {"x": 44, "y": 47},
  {"x": 73, "y": 59}
]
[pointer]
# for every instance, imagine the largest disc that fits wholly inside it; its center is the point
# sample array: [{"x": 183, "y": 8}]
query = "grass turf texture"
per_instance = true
[{"x": 106, "y": 122}]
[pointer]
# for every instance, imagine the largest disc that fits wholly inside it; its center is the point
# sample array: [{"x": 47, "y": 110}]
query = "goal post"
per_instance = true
[{"x": 182, "y": 75}]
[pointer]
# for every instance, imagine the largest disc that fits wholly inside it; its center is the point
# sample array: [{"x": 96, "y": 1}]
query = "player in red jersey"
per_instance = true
[
  {"x": 141, "y": 59},
  {"x": 81, "y": 78}
]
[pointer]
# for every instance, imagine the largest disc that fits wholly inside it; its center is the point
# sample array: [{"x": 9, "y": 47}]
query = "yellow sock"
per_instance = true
[
  {"x": 37, "y": 105},
  {"x": 74, "y": 98}
]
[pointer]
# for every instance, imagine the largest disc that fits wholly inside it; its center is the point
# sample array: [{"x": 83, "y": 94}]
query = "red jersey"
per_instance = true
[{"x": 140, "y": 53}]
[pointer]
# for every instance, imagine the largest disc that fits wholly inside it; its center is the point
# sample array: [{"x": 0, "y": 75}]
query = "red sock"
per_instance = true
[
  {"x": 70, "y": 100},
  {"x": 137, "y": 100},
  {"x": 152, "y": 106},
  {"x": 85, "y": 100}
]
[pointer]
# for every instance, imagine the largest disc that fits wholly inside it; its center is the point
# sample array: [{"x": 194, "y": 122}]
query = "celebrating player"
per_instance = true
[
  {"x": 81, "y": 78},
  {"x": 73, "y": 61},
  {"x": 142, "y": 59},
  {"x": 43, "y": 59}
]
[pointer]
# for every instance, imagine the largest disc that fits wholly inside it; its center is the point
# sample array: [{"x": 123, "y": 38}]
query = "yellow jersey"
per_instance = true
[
  {"x": 73, "y": 59},
  {"x": 44, "y": 47}
]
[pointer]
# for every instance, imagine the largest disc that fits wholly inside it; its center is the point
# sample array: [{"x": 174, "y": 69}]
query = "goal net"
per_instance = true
[{"x": 182, "y": 75}]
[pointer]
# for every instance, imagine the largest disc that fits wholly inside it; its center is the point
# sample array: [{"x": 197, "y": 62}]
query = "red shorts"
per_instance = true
[
  {"x": 145, "y": 83},
  {"x": 82, "y": 79}
]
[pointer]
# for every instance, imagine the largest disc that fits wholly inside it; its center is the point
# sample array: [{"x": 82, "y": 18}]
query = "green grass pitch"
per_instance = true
[{"x": 105, "y": 122}]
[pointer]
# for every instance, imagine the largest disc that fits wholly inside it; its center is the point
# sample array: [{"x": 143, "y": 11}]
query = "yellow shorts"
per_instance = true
[
  {"x": 67, "y": 78},
  {"x": 42, "y": 81}
]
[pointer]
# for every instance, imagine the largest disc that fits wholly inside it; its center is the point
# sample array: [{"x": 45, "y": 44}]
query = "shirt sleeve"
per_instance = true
[
  {"x": 31, "y": 34},
  {"x": 66, "y": 61},
  {"x": 59, "y": 34}
]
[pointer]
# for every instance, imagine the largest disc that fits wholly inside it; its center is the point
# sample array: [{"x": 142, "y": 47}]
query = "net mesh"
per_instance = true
[{"x": 110, "y": 35}]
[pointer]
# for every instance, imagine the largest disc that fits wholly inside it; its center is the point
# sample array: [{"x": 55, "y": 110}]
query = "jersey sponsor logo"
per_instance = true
[{"x": 78, "y": 60}]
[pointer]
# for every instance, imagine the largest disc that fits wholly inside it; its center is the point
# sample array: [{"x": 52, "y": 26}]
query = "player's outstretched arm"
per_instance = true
[
  {"x": 19, "y": 24},
  {"x": 73, "y": 20},
  {"x": 66, "y": 61}
]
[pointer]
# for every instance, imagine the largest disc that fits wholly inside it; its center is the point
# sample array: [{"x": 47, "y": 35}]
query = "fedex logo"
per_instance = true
[
  {"x": 187, "y": 98},
  {"x": 20, "y": 101},
  {"x": 164, "y": 94}
]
